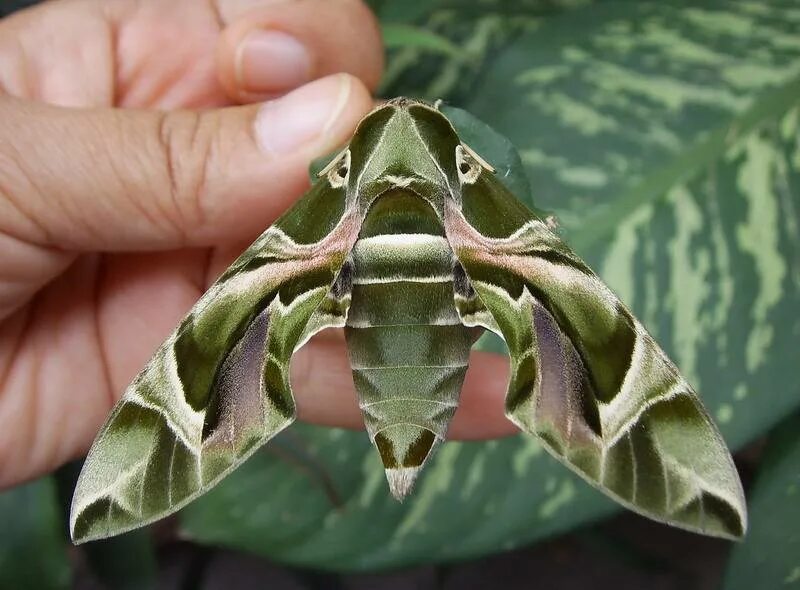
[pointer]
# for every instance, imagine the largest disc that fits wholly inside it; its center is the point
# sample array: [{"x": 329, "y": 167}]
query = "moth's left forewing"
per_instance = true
[
  {"x": 586, "y": 377},
  {"x": 218, "y": 387}
]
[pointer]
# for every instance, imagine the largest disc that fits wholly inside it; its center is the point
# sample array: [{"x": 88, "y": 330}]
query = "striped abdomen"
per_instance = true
[{"x": 408, "y": 349}]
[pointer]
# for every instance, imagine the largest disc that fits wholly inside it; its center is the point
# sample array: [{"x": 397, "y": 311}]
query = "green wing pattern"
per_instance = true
[
  {"x": 218, "y": 388},
  {"x": 587, "y": 378},
  {"x": 410, "y": 243}
]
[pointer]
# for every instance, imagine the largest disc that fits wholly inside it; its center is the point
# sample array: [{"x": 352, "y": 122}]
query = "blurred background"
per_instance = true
[{"x": 665, "y": 136}]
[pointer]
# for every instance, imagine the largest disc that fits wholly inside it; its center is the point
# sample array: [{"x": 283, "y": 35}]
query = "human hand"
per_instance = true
[{"x": 119, "y": 205}]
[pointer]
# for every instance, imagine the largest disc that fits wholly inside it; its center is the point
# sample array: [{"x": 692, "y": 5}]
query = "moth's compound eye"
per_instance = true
[
  {"x": 342, "y": 166},
  {"x": 468, "y": 168},
  {"x": 337, "y": 169},
  {"x": 470, "y": 164}
]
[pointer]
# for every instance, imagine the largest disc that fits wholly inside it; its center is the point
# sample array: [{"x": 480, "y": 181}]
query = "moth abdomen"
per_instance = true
[{"x": 408, "y": 348}]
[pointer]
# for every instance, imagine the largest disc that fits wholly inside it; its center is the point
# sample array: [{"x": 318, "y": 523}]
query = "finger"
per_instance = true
[
  {"x": 272, "y": 48},
  {"x": 65, "y": 359},
  {"x": 481, "y": 411},
  {"x": 323, "y": 387},
  {"x": 142, "y": 180}
]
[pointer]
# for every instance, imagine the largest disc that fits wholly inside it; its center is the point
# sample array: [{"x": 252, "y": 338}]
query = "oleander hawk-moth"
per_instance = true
[{"x": 411, "y": 243}]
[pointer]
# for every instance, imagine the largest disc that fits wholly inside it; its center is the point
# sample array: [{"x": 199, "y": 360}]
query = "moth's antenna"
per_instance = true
[
  {"x": 477, "y": 158},
  {"x": 329, "y": 166}
]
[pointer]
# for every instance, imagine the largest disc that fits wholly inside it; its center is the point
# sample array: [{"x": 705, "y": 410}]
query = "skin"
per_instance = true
[{"x": 130, "y": 178}]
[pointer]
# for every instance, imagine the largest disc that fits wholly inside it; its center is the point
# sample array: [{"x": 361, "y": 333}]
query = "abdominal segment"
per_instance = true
[{"x": 408, "y": 348}]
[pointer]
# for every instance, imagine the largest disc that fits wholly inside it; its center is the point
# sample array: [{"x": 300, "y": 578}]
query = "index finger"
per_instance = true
[{"x": 322, "y": 383}]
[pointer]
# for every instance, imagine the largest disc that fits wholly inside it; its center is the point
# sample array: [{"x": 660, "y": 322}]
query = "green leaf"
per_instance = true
[
  {"x": 664, "y": 136},
  {"x": 126, "y": 562},
  {"x": 33, "y": 551},
  {"x": 400, "y": 36},
  {"x": 318, "y": 497},
  {"x": 769, "y": 557}
]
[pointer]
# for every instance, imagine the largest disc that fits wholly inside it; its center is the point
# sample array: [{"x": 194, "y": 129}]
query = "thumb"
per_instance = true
[{"x": 109, "y": 179}]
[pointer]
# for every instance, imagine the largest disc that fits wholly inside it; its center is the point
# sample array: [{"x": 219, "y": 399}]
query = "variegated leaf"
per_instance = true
[
  {"x": 33, "y": 550},
  {"x": 770, "y": 555}
]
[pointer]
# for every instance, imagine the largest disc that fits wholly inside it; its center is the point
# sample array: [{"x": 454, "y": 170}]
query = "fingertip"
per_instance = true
[
  {"x": 314, "y": 119},
  {"x": 369, "y": 46},
  {"x": 273, "y": 49},
  {"x": 259, "y": 166},
  {"x": 355, "y": 102}
]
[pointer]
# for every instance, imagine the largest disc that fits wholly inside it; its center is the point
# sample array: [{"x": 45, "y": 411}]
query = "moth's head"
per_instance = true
[{"x": 404, "y": 143}]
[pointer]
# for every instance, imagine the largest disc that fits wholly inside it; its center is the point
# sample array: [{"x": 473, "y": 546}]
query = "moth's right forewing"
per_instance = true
[{"x": 218, "y": 388}]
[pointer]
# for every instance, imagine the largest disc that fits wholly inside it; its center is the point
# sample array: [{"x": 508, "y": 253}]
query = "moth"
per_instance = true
[{"x": 410, "y": 243}]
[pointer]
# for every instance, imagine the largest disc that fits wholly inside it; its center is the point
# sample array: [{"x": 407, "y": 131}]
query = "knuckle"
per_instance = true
[
  {"x": 186, "y": 142},
  {"x": 20, "y": 195}
]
